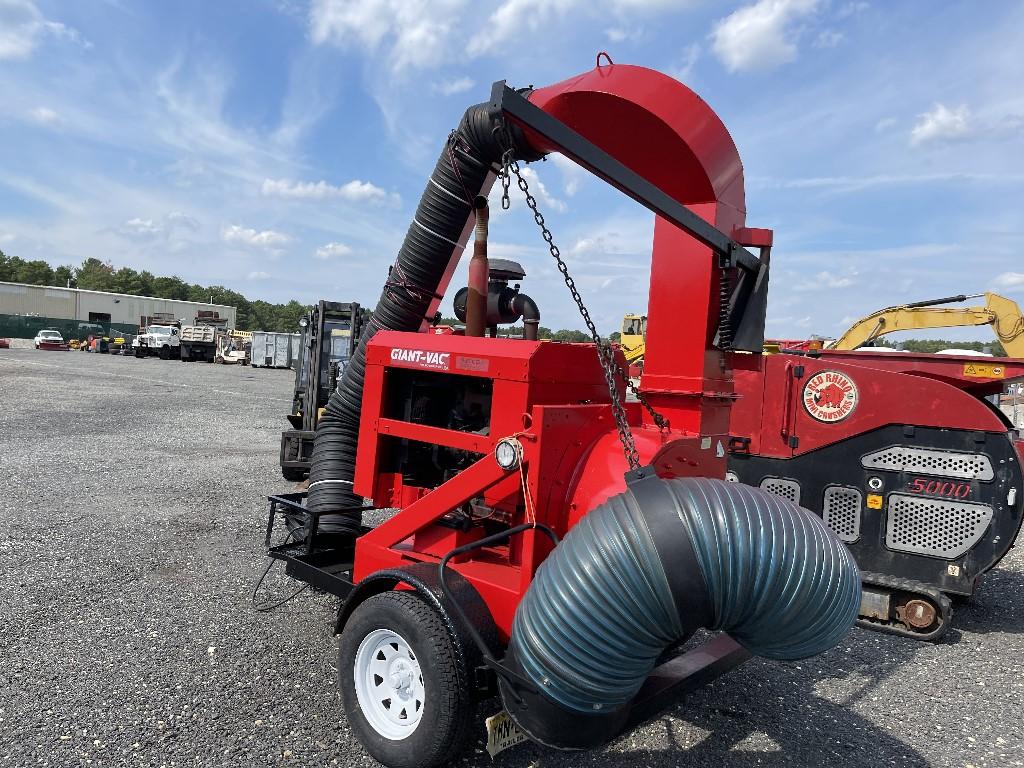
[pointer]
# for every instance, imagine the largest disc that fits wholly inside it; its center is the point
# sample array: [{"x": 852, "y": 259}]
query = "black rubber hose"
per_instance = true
[
  {"x": 643, "y": 571},
  {"x": 469, "y": 156}
]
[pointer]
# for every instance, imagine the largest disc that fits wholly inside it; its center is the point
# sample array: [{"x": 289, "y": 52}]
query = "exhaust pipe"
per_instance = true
[
  {"x": 476, "y": 299},
  {"x": 642, "y": 572}
]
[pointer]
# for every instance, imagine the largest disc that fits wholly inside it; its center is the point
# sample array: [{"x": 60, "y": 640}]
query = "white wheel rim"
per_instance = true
[{"x": 389, "y": 684}]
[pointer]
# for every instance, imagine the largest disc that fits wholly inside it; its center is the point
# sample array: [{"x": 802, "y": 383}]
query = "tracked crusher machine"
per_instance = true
[
  {"x": 903, "y": 457},
  {"x": 554, "y": 544}
]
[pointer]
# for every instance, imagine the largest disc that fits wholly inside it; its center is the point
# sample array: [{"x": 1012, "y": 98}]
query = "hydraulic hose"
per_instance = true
[
  {"x": 434, "y": 238},
  {"x": 643, "y": 571}
]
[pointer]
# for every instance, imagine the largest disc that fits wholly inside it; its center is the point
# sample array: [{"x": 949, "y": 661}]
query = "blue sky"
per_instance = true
[{"x": 279, "y": 147}]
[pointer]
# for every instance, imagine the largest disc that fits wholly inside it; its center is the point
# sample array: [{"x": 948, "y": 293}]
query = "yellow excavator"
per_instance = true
[
  {"x": 1001, "y": 313},
  {"x": 631, "y": 339}
]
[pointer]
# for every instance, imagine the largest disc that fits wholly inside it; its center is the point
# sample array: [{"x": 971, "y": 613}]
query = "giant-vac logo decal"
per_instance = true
[
  {"x": 830, "y": 396},
  {"x": 420, "y": 358}
]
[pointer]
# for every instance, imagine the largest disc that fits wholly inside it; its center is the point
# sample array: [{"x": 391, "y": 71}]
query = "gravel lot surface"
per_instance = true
[{"x": 132, "y": 537}]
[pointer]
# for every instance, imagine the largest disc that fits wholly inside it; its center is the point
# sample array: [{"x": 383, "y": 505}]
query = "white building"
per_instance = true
[{"x": 25, "y": 309}]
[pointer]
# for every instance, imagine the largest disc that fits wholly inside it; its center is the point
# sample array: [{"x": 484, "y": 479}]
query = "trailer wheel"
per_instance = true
[{"x": 404, "y": 689}]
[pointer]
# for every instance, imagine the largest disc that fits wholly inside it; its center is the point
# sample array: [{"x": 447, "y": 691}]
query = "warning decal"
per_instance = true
[
  {"x": 830, "y": 396},
  {"x": 984, "y": 371}
]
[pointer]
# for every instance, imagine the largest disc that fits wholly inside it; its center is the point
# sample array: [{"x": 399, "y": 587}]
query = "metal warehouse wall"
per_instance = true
[{"x": 25, "y": 309}]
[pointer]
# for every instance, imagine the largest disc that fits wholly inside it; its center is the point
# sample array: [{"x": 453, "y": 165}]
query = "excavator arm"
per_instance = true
[
  {"x": 1003, "y": 314},
  {"x": 634, "y": 354}
]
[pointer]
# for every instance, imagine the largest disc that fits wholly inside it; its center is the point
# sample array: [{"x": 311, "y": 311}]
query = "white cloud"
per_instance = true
[
  {"x": 825, "y": 281},
  {"x": 760, "y": 36},
  {"x": 1010, "y": 280},
  {"x": 355, "y": 191},
  {"x": 412, "y": 33},
  {"x": 268, "y": 238},
  {"x": 517, "y": 17},
  {"x": 857, "y": 183},
  {"x": 941, "y": 124},
  {"x": 43, "y": 115},
  {"x": 332, "y": 249},
  {"x": 422, "y": 34},
  {"x": 23, "y": 27},
  {"x": 180, "y": 219},
  {"x": 885, "y": 124},
  {"x": 853, "y": 9},
  {"x": 572, "y": 174},
  {"x": 451, "y": 87},
  {"x": 829, "y": 38},
  {"x": 546, "y": 202},
  {"x": 687, "y": 62},
  {"x": 257, "y": 276},
  {"x": 141, "y": 228}
]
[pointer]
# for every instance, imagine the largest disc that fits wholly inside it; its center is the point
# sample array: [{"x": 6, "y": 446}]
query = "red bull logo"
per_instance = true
[{"x": 830, "y": 396}]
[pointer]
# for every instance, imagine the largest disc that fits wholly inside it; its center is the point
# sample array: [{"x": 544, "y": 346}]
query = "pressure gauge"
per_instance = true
[{"x": 507, "y": 453}]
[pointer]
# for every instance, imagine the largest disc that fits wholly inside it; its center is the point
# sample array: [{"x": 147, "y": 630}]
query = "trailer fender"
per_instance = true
[{"x": 423, "y": 579}]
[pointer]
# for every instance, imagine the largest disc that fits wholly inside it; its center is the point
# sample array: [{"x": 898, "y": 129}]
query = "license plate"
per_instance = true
[{"x": 502, "y": 733}]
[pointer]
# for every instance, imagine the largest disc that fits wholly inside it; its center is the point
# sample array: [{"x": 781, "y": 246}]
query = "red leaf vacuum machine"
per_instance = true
[{"x": 556, "y": 544}]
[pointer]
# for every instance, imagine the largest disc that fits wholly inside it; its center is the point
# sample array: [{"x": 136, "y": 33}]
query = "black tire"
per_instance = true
[
  {"x": 139, "y": 353},
  {"x": 448, "y": 705},
  {"x": 294, "y": 474},
  {"x": 165, "y": 353}
]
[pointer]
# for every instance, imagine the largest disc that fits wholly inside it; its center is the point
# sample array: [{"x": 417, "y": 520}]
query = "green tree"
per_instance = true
[
  {"x": 65, "y": 276},
  {"x": 94, "y": 275},
  {"x": 170, "y": 288},
  {"x": 36, "y": 272}
]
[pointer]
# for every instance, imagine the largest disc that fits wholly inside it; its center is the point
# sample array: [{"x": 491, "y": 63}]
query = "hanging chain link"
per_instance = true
[{"x": 605, "y": 353}]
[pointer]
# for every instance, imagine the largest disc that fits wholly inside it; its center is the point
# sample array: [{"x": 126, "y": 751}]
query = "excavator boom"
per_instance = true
[{"x": 1003, "y": 314}]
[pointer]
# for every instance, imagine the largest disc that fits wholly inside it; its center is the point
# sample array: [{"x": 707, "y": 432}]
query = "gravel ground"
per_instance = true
[{"x": 133, "y": 530}]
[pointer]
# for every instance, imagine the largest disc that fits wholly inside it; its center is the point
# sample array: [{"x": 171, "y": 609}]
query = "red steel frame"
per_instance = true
[{"x": 553, "y": 396}]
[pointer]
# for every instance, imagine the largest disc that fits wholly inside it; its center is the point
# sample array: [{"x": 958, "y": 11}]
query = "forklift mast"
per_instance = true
[{"x": 330, "y": 333}]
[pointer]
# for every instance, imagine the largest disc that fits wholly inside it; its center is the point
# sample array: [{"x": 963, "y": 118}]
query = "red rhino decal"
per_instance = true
[{"x": 830, "y": 396}]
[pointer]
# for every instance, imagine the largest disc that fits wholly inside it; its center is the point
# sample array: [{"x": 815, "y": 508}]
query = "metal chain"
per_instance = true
[{"x": 605, "y": 354}]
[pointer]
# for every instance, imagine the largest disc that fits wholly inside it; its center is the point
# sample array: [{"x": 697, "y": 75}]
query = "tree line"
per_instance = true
[
  {"x": 96, "y": 275},
  {"x": 259, "y": 315},
  {"x": 543, "y": 332},
  {"x": 931, "y": 346}
]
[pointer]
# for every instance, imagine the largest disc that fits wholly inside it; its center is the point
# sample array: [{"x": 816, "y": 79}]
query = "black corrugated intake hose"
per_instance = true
[
  {"x": 642, "y": 572},
  {"x": 471, "y": 153}
]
